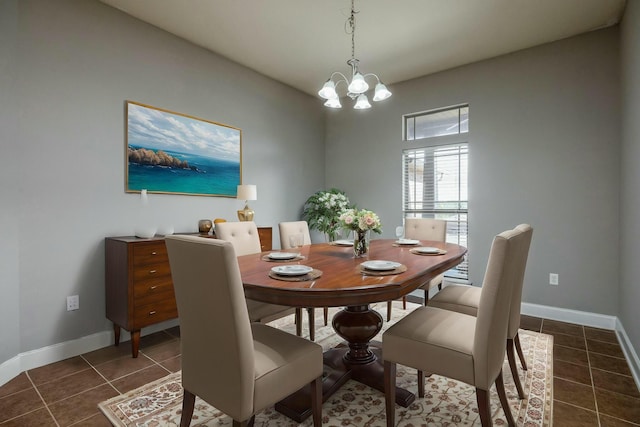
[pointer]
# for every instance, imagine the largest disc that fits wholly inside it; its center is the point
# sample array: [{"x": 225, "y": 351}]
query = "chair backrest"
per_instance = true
[
  {"x": 425, "y": 229},
  {"x": 494, "y": 306},
  {"x": 215, "y": 333},
  {"x": 293, "y": 227},
  {"x": 516, "y": 296},
  {"x": 243, "y": 235}
]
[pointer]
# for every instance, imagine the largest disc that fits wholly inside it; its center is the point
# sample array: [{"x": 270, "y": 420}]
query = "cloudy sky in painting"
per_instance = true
[{"x": 160, "y": 130}]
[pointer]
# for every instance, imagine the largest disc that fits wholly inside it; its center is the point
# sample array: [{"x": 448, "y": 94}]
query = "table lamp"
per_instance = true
[{"x": 247, "y": 192}]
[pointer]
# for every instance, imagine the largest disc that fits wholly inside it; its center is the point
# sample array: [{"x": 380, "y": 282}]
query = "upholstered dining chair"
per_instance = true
[
  {"x": 423, "y": 229},
  {"x": 291, "y": 228},
  {"x": 237, "y": 366},
  {"x": 244, "y": 237},
  {"x": 466, "y": 299},
  {"x": 466, "y": 348}
]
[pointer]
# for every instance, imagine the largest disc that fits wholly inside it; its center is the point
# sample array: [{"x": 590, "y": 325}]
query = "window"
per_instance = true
[{"x": 434, "y": 176}]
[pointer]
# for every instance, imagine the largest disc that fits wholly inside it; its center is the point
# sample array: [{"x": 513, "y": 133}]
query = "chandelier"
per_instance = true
[{"x": 358, "y": 86}]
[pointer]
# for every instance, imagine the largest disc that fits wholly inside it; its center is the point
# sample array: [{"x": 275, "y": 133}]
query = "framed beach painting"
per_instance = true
[{"x": 169, "y": 152}]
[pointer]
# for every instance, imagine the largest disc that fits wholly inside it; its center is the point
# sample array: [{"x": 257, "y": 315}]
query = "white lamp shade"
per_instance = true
[
  {"x": 328, "y": 90},
  {"x": 333, "y": 103},
  {"x": 381, "y": 92},
  {"x": 358, "y": 85},
  {"x": 362, "y": 103},
  {"x": 247, "y": 192}
]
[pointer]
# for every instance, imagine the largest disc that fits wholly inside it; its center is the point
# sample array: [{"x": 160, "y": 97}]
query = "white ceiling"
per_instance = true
[{"x": 301, "y": 42}]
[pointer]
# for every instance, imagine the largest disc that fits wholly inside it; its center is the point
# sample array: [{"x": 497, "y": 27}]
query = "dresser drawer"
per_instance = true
[
  {"x": 153, "y": 253},
  {"x": 158, "y": 311},
  {"x": 152, "y": 271},
  {"x": 154, "y": 285}
]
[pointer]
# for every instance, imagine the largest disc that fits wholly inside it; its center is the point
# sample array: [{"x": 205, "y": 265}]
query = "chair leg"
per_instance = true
[
  {"x": 245, "y": 423},
  {"x": 188, "y": 402},
  {"x": 389, "y": 311},
  {"x": 484, "y": 407},
  {"x": 316, "y": 401},
  {"x": 404, "y": 303},
  {"x": 426, "y": 296},
  {"x": 514, "y": 369},
  {"x": 390, "y": 392},
  {"x": 299, "y": 322},
  {"x": 326, "y": 316},
  {"x": 420, "y": 383},
  {"x": 503, "y": 400},
  {"x": 516, "y": 341},
  {"x": 312, "y": 323},
  {"x": 440, "y": 286}
]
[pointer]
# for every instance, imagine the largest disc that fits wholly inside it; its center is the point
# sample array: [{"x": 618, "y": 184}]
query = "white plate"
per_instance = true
[
  {"x": 282, "y": 255},
  {"x": 407, "y": 242},
  {"x": 343, "y": 242},
  {"x": 380, "y": 265},
  {"x": 428, "y": 250},
  {"x": 292, "y": 270}
]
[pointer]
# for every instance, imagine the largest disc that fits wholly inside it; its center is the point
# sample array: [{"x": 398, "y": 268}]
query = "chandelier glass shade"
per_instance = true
[{"x": 358, "y": 85}]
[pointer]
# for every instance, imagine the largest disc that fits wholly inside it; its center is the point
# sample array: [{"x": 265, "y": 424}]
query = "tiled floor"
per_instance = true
[{"x": 592, "y": 381}]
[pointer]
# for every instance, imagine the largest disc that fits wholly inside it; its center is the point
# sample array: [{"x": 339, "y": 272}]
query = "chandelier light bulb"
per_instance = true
[
  {"x": 362, "y": 103},
  {"x": 358, "y": 85},
  {"x": 328, "y": 90},
  {"x": 381, "y": 92},
  {"x": 333, "y": 103}
]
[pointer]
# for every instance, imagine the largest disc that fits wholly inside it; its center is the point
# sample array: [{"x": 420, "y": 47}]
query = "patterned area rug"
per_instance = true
[{"x": 446, "y": 403}]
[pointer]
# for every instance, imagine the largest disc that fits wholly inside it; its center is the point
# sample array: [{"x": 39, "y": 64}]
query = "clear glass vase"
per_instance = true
[{"x": 361, "y": 243}]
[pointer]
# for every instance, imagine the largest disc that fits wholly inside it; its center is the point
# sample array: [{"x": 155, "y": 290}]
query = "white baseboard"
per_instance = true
[
  {"x": 64, "y": 350},
  {"x": 629, "y": 352},
  {"x": 584, "y": 318}
]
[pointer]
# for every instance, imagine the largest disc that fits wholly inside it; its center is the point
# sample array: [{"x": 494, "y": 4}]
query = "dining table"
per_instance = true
[{"x": 334, "y": 277}]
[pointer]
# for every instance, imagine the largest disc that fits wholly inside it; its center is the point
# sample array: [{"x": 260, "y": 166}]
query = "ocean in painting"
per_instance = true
[{"x": 207, "y": 176}]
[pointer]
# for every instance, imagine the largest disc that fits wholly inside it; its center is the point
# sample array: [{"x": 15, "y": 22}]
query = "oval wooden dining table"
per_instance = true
[{"x": 343, "y": 283}]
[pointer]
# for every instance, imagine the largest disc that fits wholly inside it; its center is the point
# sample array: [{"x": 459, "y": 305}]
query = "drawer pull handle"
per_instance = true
[
  {"x": 152, "y": 271},
  {"x": 151, "y": 313},
  {"x": 154, "y": 253},
  {"x": 153, "y": 287}
]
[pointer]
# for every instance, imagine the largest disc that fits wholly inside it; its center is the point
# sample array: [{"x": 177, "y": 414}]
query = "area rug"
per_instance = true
[{"x": 446, "y": 403}]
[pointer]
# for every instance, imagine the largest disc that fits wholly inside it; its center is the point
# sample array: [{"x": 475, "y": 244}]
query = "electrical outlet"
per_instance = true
[
  {"x": 553, "y": 279},
  {"x": 73, "y": 302}
]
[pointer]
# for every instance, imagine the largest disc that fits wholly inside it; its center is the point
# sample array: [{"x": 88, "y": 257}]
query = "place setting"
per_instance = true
[
  {"x": 294, "y": 273},
  {"x": 428, "y": 251},
  {"x": 283, "y": 257},
  {"x": 402, "y": 241},
  {"x": 381, "y": 268}
]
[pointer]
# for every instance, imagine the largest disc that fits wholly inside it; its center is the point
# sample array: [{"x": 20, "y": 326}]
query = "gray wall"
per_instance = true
[
  {"x": 544, "y": 149},
  {"x": 76, "y": 62},
  {"x": 630, "y": 196}
]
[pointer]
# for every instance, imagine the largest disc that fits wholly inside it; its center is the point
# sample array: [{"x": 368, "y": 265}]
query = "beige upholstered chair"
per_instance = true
[
  {"x": 237, "y": 366},
  {"x": 466, "y": 299},
  {"x": 423, "y": 229},
  {"x": 244, "y": 237},
  {"x": 292, "y": 228},
  {"x": 466, "y": 348}
]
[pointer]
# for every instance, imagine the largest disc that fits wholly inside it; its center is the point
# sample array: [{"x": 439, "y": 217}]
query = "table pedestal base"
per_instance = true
[{"x": 360, "y": 361}]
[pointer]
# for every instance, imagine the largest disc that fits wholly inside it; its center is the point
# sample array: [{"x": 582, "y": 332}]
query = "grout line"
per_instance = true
[
  {"x": 46, "y": 406},
  {"x": 593, "y": 385},
  {"x": 103, "y": 377}
]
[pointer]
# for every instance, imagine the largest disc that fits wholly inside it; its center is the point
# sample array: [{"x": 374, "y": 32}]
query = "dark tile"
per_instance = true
[
  {"x": 622, "y": 384},
  {"x": 577, "y": 394},
  {"x": 64, "y": 387},
  {"x": 572, "y": 355},
  {"x": 97, "y": 420},
  {"x": 174, "y": 364},
  {"x": 572, "y": 372},
  {"x": 19, "y": 404},
  {"x": 617, "y": 405},
  {"x": 40, "y": 418},
  {"x": 605, "y": 348},
  {"x": 530, "y": 323},
  {"x": 606, "y": 421},
  {"x": 569, "y": 341},
  {"x": 600, "y": 334},
  {"x": 155, "y": 339},
  {"x": 572, "y": 416},
  {"x": 81, "y": 406},
  {"x": 124, "y": 366},
  {"x": 608, "y": 363},
  {"x": 107, "y": 354},
  {"x": 553, "y": 326},
  {"x": 58, "y": 369},
  {"x": 175, "y": 331},
  {"x": 163, "y": 351},
  {"x": 19, "y": 383},
  {"x": 139, "y": 378}
]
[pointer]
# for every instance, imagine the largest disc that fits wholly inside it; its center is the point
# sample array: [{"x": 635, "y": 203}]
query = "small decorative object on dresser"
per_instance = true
[
  {"x": 204, "y": 226},
  {"x": 247, "y": 192}
]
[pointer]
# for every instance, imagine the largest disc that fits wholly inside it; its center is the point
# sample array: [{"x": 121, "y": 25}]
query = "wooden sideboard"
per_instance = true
[{"x": 138, "y": 285}]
